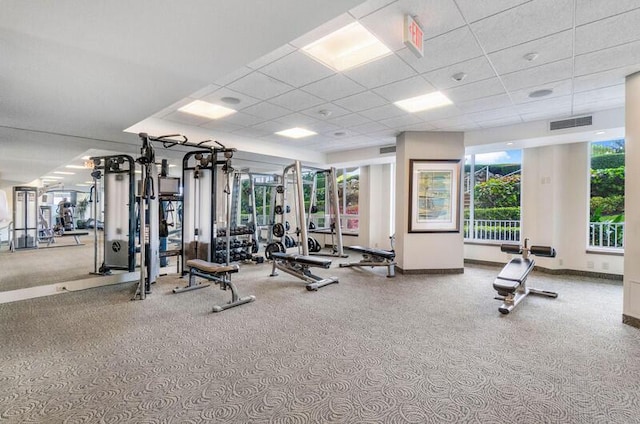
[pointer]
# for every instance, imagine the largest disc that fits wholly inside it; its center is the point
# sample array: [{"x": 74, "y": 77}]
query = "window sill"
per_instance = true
[
  {"x": 605, "y": 251},
  {"x": 495, "y": 243}
]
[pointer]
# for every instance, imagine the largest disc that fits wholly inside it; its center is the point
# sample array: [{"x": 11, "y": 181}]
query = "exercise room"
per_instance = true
[{"x": 380, "y": 211}]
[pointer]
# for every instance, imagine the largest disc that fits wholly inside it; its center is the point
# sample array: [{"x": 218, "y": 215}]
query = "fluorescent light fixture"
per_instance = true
[
  {"x": 86, "y": 157},
  {"x": 137, "y": 171},
  {"x": 88, "y": 182},
  {"x": 75, "y": 167},
  {"x": 347, "y": 48},
  {"x": 64, "y": 173},
  {"x": 171, "y": 165},
  {"x": 296, "y": 133},
  {"x": 206, "y": 110},
  {"x": 424, "y": 102},
  {"x": 82, "y": 185},
  {"x": 49, "y": 177}
]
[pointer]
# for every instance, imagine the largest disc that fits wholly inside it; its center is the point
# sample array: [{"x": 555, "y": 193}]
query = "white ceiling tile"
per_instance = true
[
  {"x": 474, "y": 10},
  {"x": 296, "y": 100},
  {"x": 382, "y": 71},
  {"x": 422, "y": 126},
  {"x": 401, "y": 122},
  {"x": 251, "y": 132},
  {"x": 243, "y": 119},
  {"x": 447, "y": 49},
  {"x": 553, "y": 104},
  {"x": 601, "y": 94},
  {"x": 539, "y": 75},
  {"x": 186, "y": 118},
  {"x": 592, "y": 10},
  {"x": 608, "y": 32},
  {"x": 476, "y": 90},
  {"x": 387, "y": 134},
  {"x": 361, "y": 101},
  {"x": 550, "y": 114},
  {"x": 325, "y": 29},
  {"x": 296, "y": 120},
  {"x": 267, "y": 110},
  {"x": 602, "y": 79},
  {"x": 269, "y": 127},
  {"x": 529, "y": 21},
  {"x": 233, "y": 76},
  {"x": 597, "y": 106},
  {"x": 330, "y": 111},
  {"x": 322, "y": 127},
  {"x": 485, "y": 103},
  {"x": 383, "y": 112},
  {"x": 259, "y": 85},
  {"x": 272, "y": 57},
  {"x": 493, "y": 114},
  {"x": 549, "y": 49},
  {"x": 435, "y": 16},
  {"x": 560, "y": 88},
  {"x": 297, "y": 69},
  {"x": 334, "y": 87},
  {"x": 500, "y": 122},
  {"x": 368, "y": 7},
  {"x": 216, "y": 96},
  {"x": 351, "y": 120},
  {"x": 439, "y": 113},
  {"x": 220, "y": 125},
  {"x": 205, "y": 91},
  {"x": 476, "y": 69},
  {"x": 603, "y": 60},
  {"x": 410, "y": 87},
  {"x": 369, "y": 128}
]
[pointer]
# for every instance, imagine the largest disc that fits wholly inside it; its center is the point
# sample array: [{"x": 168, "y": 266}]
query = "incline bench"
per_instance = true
[
  {"x": 511, "y": 283},
  {"x": 373, "y": 257},
  {"x": 219, "y": 274},
  {"x": 298, "y": 266}
]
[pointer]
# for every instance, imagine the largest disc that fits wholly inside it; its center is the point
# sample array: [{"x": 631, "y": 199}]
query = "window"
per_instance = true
[
  {"x": 348, "y": 180},
  {"x": 606, "y": 203},
  {"x": 492, "y": 196}
]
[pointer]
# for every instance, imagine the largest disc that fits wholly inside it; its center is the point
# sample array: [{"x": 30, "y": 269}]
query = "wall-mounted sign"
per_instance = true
[{"x": 413, "y": 35}]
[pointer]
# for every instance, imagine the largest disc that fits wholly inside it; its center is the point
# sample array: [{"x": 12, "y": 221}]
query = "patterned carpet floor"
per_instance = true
[{"x": 414, "y": 349}]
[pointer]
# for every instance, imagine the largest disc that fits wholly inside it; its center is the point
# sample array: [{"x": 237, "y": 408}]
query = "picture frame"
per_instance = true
[{"x": 434, "y": 196}]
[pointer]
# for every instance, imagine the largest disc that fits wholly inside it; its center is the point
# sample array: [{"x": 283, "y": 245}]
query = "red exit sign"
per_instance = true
[{"x": 413, "y": 36}]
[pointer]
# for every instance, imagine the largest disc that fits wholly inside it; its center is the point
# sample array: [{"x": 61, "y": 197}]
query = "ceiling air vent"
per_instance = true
[
  {"x": 571, "y": 123},
  {"x": 388, "y": 149}
]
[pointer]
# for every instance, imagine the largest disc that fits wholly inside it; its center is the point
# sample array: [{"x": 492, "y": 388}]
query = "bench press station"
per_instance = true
[
  {"x": 219, "y": 274},
  {"x": 511, "y": 283},
  {"x": 373, "y": 257},
  {"x": 298, "y": 266}
]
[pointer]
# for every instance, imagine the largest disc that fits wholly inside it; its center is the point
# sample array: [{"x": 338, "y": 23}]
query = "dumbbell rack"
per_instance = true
[{"x": 242, "y": 245}]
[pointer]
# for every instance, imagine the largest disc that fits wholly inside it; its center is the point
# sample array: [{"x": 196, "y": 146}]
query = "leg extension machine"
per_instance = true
[
  {"x": 218, "y": 274},
  {"x": 373, "y": 257},
  {"x": 511, "y": 283},
  {"x": 298, "y": 266}
]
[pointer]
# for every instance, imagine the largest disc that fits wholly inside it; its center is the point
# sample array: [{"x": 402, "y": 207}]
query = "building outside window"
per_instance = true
[
  {"x": 606, "y": 201},
  {"x": 348, "y": 180},
  {"x": 492, "y": 196}
]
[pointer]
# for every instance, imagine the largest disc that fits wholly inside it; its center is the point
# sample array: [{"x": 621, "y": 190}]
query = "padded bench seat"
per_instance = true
[
  {"x": 302, "y": 259},
  {"x": 210, "y": 267},
  {"x": 386, "y": 254},
  {"x": 513, "y": 275}
]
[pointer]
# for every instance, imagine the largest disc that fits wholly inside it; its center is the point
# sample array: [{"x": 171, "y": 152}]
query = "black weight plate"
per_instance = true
[
  {"x": 288, "y": 241},
  {"x": 314, "y": 209},
  {"x": 271, "y": 248},
  {"x": 311, "y": 244},
  {"x": 278, "y": 210},
  {"x": 287, "y": 226},
  {"x": 280, "y": 189},
  {"x": 281, "y": 247},
  {"x": 312, "y": 226},
  {"x": 278, "y": 230},
  {"x": 288, "y": 209},
  {"x": 317, "y": 246}
]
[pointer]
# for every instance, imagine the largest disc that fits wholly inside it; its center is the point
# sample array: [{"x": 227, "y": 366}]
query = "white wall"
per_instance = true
[
  {"x": 632, "y": 199},
  {"x": 425, "y": 251}
]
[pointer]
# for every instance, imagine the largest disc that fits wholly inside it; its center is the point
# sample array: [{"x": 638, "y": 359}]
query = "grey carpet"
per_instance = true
[{"x": 414, "y": 349}]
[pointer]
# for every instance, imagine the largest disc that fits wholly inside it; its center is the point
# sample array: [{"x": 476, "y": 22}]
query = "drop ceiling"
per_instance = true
[{"x": 86, "y": 71}]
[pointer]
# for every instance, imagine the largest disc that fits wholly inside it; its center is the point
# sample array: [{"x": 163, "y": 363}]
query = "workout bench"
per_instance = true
[
  {"x": 219, "y": 274},
  {"x": 511, "y": 283},
  {"x": 298, "y": 266},
  {"x": 76, "y": 237},
  {"x": 373, "y": 257}
]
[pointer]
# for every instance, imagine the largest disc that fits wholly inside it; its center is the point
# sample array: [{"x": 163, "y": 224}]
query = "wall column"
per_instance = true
[
  {"x": 631, "y": 308},
  {"x": 424, "y": 253}
]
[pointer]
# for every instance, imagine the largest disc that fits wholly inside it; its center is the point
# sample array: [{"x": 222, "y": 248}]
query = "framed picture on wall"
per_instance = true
[{"x": 434, "y": 196}]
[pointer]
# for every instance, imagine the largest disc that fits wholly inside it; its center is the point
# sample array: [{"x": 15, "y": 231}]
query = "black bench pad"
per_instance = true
[
  {"x": 386, "y": 254},
  {"x": 75, "y": 233},
  {"x": 513, "y": 274},
  {"x": 211, "y": 268},
  {"x": 302, "y": 259}
]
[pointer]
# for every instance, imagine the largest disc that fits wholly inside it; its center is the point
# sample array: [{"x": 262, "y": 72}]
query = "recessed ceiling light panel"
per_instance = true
[
  {"x": 424, "y": 102},
  {"x": 64, "y": 173},
  {"x": 206, "y": 110},
  {"x": 540, "y": 93},
  {"x": 296, "y": 133},
  {"x": 347, "y": 48},
  {"x": 75, "y": 166}
]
